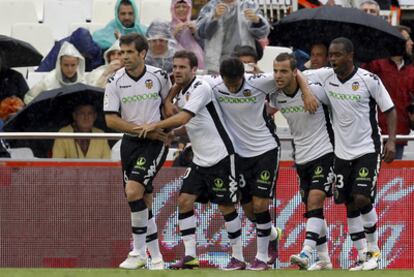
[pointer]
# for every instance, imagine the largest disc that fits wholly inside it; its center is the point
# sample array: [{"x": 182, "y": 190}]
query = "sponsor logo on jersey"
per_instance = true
[
  {"x": 293, "y": 109},
  {"x": 355, "y": 86},
  {"x": 128, "y": 86},
  {"x": 149, "y": 84},
  {"x": 247, "y": 92},
  {"x": 317, "y": 173},
  {"x": 342, "y": 96},
  {"x": 140, "y": 98},
  {"x": 237, "y": 100}
]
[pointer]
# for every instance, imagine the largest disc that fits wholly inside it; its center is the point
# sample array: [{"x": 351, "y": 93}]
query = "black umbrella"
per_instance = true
[
  {"x": 52, "y": 109},
  {"x": 18, "y": 53},
  {"x": 373, "y": 38}
]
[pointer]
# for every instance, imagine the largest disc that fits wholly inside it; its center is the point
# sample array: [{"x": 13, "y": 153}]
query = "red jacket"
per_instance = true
[{"x": 400, "y": 86}]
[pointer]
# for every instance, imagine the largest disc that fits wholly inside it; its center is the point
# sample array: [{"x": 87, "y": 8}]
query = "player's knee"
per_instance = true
[
  {"x": 133, "y": 192},
  {"x": 361, "y": 201},
  {"x": 260, "y": 205},
  {"x": 315, "y": 200}
]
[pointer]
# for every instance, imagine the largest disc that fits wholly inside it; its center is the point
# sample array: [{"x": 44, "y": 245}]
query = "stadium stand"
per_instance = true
[
  {"x": 38, "y": 35},
  {"x": 154, "y": 9},
  {"x": 102, "y": 11},
  {"x": 12, "y": 12}
]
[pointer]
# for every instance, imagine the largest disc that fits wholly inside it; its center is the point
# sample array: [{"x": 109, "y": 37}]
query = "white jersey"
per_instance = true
[
  {"x": 354, "y": 113},
  {"x": 312, "y": 133},
  {"x": 244, "y": 113},
  {"x": 209, "y": 140},
  {"x": 137, "y": 100}
]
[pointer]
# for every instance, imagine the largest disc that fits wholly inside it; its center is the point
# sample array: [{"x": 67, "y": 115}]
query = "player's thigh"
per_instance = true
[{"x": 365, "y": 174}]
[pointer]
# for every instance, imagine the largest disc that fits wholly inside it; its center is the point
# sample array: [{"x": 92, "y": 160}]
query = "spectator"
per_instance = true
[
  {"x": 397, "y": 75},
  {"x": 70, "y": 69},
  {"x": 248, "y": 56},
  {"x": 370, "y": 7},
  {"x": 12, "y": 83},
  {"x": 84, "y": 117},
  {"x": 184, "y": 30},
  {"x": 126, "y": 21},
  {"x": 113, "y": 62},
  {"x": 162, "y": 46},
  {"x": 224, "y": 24},
  {"x": 83, "y": 42},
  {"x": 319, "y": 56}
]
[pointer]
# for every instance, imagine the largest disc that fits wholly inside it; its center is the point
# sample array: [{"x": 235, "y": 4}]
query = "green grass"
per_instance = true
[{"x": 80, "y": 272}]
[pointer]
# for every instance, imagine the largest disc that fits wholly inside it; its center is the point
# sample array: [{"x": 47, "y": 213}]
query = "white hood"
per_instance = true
[{"x": 68, "y": 49}]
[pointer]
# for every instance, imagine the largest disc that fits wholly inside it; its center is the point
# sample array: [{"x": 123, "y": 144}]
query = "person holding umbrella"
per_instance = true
[
  {"x": 84, "y": 116},
  {"x": 134, "y": 96},
  {"x": 353, "y": 94},
  {"x": 70, "y": 69}
]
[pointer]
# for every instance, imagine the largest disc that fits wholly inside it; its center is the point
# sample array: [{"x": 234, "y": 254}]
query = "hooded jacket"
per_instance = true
[
  {"x": 185, "y": 38},
  {"x": 54, "y": 78},
  {"x": 105, "y": 37},
  {"x": 232, "y": 29}
]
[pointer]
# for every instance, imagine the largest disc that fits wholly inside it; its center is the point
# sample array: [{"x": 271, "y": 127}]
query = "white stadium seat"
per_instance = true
[
  {"x": 269, "y": 54},
  {"x": 103, "y": 11},
  {"x": 154, "y": 9},
  {"x": 59, "y": 14},
  {"x": 38, "y": 35},
  {"x": 12, "y": 11}
]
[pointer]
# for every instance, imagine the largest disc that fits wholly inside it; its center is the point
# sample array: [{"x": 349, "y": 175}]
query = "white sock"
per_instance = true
[
  {"x": 233, "y": 228},
  {"x": 356, "y": 231},
  {"x": 152, "y": 239},
  {"x": 263, "y": 230},
  {"x": 370, "y": 219},
  {"x": 139, "y": 223},
  {"x": 187, "y": 224}
]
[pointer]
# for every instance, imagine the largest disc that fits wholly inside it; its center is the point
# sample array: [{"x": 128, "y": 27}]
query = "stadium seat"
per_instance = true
[
  {"x": 59, "y": 14},
  {"x": 269, "y": 54},
  {"x": 154, "y": 9},
  {"x": 23, "y": 153},
  {"x": 38, "y": 35},
  {"x": 102, "y": 11},
  {"x": 12, "y": 11},
  {"x": 92, "y": 27}
]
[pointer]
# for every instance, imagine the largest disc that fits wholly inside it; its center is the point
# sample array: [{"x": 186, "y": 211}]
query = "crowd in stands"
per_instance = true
[{"x": 222, "y": 28}]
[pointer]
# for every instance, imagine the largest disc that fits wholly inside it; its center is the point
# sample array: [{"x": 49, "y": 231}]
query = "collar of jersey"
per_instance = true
[
  {"x": 136, "y": 79},
  {"x": 349, "y": 76},
  {"x": 184, "y": 90},
  {"x": 294, "y": 94}
]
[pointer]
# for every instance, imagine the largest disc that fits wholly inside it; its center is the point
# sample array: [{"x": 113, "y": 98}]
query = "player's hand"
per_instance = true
[
  {"x": 221, "y": 9},
  {"x": 157, "y": 134},
  {"x": 170, "y": 138},
  {"x": 251, "y": 15},
  {"x": 143, "y": 130},
  {"x": 389, "y": 151},
  {"x": 310, "y": 103}
]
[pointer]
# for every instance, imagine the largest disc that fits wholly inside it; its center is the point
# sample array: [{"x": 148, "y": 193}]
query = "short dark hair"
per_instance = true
[
  {"x": 346, "y": 42},
  {"x": 245, "y": 50},
  {"x": 232, "y": 68},
  {"x": 287, "y": 57},
  {"x": 140, "y": 41},
  {"x": 184, "y": 54}
]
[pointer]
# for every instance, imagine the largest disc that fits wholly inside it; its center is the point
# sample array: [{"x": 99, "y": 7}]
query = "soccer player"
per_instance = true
[
  {"x": 312, "y": 138},
  {"x": 242, "y": 101},
  {"x": 212, "y": 174},
  {"x": 353, "y": 94},
  {"x": 134, "y": 96}
]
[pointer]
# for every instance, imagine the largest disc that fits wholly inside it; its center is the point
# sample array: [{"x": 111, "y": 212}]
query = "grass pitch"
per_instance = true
[{"x": 80, "y": 272}]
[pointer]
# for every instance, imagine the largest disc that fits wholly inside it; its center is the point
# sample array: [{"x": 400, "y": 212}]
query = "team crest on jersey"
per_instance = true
[
  {"x": 355, "y": 86},
  {"x": 149, "y": 84},
  {"x": 187, "y": 96},
  {"x": 247, "y": 92}
]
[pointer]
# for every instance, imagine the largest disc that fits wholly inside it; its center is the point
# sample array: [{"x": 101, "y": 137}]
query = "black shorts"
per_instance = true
[
  {"x": 141, "y": 160},
  {"x": 316, "y": 174},
  {"x": 217, "y": 183},
  {"x": 258, "y": 175},
  {"x": 357, "y": 176}
]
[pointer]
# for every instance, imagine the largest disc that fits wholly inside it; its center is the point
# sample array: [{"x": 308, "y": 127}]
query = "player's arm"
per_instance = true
[
  {"x": 169, "y": 108},
  {"x": 172, "y": 122},
  {"x": 389, "y": 148},
  {"x": 114, "y": 121},
  {"x": 309, "y": 100}
]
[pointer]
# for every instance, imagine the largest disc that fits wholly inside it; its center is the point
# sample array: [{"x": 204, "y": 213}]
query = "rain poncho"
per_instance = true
[
  {"x": 82, "y": 40},
  {"x": 54, "y": 78},
  {"x": 185, "y": 38},
  {"x": 161, "y": 30},
  {"x": 105, "y": 37},
  {"x": 99, "y": 76},
  {"x": 222, "y": 35}
]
